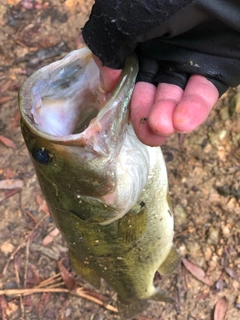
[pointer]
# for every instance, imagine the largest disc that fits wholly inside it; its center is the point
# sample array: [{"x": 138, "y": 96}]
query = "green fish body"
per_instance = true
[{"x": 106, "y": 191}]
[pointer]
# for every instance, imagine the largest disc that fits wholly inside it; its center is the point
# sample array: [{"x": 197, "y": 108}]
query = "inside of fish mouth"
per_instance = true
[
  {"x": 67, "y": 103},
  {"x": 84, "y": 121}
]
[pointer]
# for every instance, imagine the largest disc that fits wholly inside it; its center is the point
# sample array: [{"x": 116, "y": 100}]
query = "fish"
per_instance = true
[{"x": 106, "y": 191}]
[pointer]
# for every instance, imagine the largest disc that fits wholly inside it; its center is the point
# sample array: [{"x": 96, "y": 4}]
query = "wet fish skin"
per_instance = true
[{"x": 106, "y": 191}]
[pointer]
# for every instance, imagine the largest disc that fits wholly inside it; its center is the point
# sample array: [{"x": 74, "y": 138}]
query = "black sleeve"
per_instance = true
[
  {"x": 114, "y": 25},
  {"x": 173, "y": 39}
]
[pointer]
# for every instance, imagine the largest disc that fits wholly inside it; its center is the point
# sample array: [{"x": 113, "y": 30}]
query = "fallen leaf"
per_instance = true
[
  {"x": 67, "y": 277},
  {"x": 197, "y": 272},
  {"x": 11, "y": 184},
  {"x": 49, "y": 238},
  {"x": 3, "y": 306},
  {"x": 5, "y": 99},
  {"x": 6, "y": 86},
  {"x": 42, "y": 205},
  {"x": 232, "y": 273},
  {"x": 220, "y": 309},
  {"x": 9, "y": 143},
  {"x": 44, "y": 208},
  {"x": 39, "y": 200},
  {"x": 16, "y": 120},
  {"x": 10, "y": 193}
]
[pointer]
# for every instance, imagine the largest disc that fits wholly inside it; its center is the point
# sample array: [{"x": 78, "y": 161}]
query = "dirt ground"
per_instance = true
[{"x": 204, "y": 182}]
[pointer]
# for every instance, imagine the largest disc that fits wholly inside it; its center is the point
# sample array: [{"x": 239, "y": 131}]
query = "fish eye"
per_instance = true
[{"x": 42, "y": 156}]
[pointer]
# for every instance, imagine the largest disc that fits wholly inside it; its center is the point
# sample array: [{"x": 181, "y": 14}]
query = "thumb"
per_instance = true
[{"x": 108, "y": 77}]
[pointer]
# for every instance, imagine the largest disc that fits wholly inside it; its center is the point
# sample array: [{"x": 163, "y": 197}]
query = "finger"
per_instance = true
[
  {"x": 108, "y": 77},
  {"x": 160, "y": 117},
  {"x": 198, "y": 99},
  {"x": 142, "y": 100}
]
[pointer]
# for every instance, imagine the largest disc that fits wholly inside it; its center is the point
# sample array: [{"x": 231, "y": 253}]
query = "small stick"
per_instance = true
[
  {"x": 26, "y": 263},
  {"x": 50, "y": 280},
  {"x": 10, "y": 292},
  {"x": 18, "y": 282},
  {"x": 24, "y": 45},
  {"x": 31, "y": 216},
  {"x": 79, "y": 292}
]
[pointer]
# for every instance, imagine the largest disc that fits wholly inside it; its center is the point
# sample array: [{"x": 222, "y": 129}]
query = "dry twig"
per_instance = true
[
  {"x": 48, "y": 281},
  {"x": 31, "y": 216},
  {"x": 78, "y": 292},
  {"x": 16, "y": 267}
]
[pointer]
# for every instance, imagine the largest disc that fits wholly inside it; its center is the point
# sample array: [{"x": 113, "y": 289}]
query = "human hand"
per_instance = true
[
  {"x": 157, "y": 112},
  {"x": 188, "y": 55}
]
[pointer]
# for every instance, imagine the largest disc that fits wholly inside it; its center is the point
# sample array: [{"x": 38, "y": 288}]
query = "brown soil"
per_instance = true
[{"x": 204, "y": 182}]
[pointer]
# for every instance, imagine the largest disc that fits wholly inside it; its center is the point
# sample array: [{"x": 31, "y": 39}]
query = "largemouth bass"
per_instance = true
[{"x": 106, "y": 191}]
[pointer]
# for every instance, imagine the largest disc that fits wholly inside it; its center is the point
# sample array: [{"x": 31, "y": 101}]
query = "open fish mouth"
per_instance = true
[
  {"x": 63, "y": 122},
  {"x": 67, "y": 104}
]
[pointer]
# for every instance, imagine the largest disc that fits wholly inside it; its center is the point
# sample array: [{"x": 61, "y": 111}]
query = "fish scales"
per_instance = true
[{"x": 106, "y": 191}]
